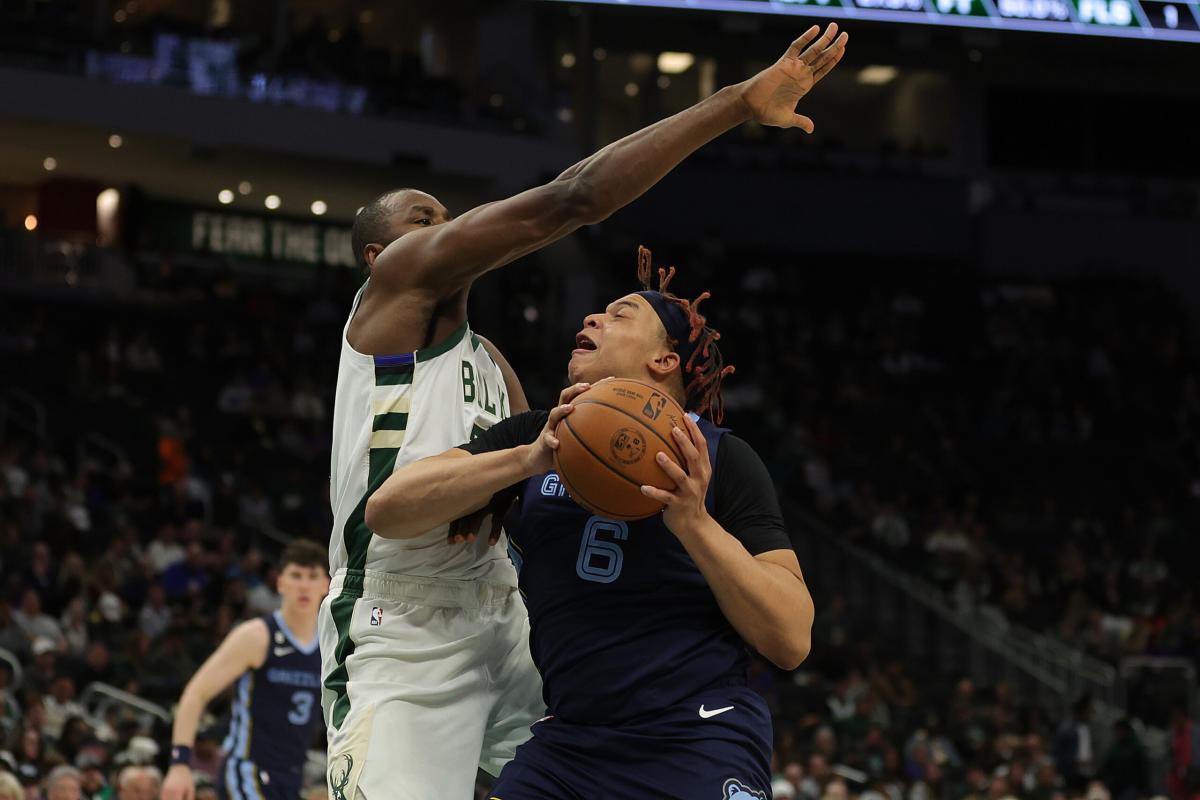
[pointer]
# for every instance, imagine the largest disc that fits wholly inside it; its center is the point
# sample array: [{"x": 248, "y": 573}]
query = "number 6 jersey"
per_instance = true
[{"x": 622, "y": 621}]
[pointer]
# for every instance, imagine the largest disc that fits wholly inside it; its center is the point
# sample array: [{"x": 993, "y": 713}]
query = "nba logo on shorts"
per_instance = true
[{"x": 376, "y": 616}]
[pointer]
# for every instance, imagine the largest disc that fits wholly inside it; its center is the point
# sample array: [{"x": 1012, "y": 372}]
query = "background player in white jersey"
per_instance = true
[
  {"x": 424, "y": 642},
  {"x": 274, "y": 658}
]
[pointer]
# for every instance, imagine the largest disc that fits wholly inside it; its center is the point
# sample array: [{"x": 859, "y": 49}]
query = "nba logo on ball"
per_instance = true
[
  {"x": 376, "y": 616},
  {"x": 654, "y": 405}
]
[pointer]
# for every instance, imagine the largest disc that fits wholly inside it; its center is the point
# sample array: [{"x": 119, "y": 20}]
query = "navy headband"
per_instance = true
[{"x": 677, "y": 323}]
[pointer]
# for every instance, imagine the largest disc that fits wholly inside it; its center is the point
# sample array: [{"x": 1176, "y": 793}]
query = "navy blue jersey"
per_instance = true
[
  {"x": 622, "y": 622},
  {"x": 277, "y": 707}
]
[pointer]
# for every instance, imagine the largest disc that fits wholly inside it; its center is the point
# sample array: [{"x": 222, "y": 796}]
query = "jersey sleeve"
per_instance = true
[
  {"x": 508, "y": 433},
  {"x": 746, "y": 504}
]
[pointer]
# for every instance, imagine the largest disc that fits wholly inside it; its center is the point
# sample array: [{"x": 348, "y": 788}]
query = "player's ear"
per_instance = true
[
  {"x": 664, "y": 364},
  {"x": 371, "y": 252}
]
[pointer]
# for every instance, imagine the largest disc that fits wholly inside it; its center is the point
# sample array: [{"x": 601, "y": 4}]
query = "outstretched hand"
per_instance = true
[{"x": 772, "y": 94}]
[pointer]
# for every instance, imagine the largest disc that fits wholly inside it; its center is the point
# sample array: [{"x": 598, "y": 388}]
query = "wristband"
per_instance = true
[{"x": 181, "y": 754}]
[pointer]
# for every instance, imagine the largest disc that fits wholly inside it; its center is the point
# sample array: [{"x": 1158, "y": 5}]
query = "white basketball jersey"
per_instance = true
[{"x": 390, "y": 411}]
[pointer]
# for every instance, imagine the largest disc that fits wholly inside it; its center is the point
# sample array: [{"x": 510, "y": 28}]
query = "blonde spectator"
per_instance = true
[{"x": 10, "y": 787}]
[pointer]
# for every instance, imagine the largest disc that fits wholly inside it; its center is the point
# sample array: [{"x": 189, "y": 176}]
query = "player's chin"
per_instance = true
[{"x": 578, "y": 368}]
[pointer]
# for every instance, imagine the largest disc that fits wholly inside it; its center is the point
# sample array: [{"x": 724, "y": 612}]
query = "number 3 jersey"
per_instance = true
[
  {"x": 622, "y": 622},
  {"x": 276, "y": 708}
]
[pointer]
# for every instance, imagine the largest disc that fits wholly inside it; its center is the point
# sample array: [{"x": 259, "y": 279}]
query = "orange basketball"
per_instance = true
[{"x": 608, "y": 443}]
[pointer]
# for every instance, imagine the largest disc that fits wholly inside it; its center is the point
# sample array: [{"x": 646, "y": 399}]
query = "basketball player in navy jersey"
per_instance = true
[
  {"x": 277, "y": 701},
  {"x": 639, "y": 629},
  {"x": 425, "y": 643}
]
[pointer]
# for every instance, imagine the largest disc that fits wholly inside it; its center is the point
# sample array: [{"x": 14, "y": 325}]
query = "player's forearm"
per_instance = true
[
  {"x": 768, "y": 605},
  {"x": 621, "y": 172},
  {"x": 420, "y": 496},
  {"x": 187, "y": 716}
]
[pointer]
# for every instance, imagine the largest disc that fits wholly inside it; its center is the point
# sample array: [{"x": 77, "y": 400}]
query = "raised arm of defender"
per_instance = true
[{"x": 442, "y": 259}]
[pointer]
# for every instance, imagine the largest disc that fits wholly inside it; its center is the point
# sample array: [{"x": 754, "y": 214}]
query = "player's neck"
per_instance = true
[{"x": 302, "y": 625}]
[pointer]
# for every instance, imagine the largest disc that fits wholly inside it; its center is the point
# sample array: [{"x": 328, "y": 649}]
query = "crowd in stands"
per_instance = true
[
  {"x": 1025, "y": 447},
  {"x": 320, "y": 61}
]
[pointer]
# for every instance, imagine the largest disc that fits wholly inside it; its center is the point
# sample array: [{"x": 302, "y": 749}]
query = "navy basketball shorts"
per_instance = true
[
  {"x": 241, "y": 779},
  {"x": 716, "y": 746}
]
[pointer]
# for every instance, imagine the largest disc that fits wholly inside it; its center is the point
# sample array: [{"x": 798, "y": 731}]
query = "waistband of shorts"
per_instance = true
[{"x": 427, "y": 591}]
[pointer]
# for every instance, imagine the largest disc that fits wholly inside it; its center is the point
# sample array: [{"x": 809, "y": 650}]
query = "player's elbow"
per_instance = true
[
  {"x": 379, "y": 515},
  {"x": 789, "y": 652}
]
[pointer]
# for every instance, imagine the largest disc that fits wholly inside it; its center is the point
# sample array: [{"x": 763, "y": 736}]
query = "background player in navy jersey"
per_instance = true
[
  {"x": 639, "y": 629},
  {"x": 277, "y": 702}
]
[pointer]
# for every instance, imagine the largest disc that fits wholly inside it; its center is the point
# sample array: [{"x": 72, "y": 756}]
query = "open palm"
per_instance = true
[{"x": 772, "y": 94}]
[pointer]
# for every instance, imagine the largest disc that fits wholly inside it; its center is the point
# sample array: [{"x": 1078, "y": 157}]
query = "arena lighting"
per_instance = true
[
  {"x": 30, "y": 222},
  {"x": 225, "y": 197},
  {"x": 115, "y": 141},
  {"x": 272, "y": 201},
  {"x": 49, "y": 163},
  {"x": 245, "y": 188},
  {"x": 876, "y": 75},
  {"x": 318, "y": 207},
  {"x": 674, "y": 63},
  {"x": 108, "y": 204}
]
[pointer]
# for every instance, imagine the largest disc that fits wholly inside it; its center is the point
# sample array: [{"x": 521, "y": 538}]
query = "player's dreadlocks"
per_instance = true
[{"x": 704, "y": 368}]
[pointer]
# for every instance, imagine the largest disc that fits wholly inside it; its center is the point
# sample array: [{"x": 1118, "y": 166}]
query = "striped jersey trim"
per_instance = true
[
  {"x": 387, "y": 361},
  {"x": 392, "y": 404},
  {"x": 357, "y": 538}
]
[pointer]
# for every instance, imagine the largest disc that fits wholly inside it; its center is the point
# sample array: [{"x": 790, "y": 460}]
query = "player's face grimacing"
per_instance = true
[
  {"x": 626, "y": 341},
  {"x": 302, "y": 587}
]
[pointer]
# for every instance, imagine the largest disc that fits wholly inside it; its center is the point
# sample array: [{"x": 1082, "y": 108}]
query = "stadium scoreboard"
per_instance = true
[{"x": 1170, "y": 20}]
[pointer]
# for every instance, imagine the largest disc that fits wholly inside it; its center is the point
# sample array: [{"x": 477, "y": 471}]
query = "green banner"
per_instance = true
[{"x": 260, "y": 237}]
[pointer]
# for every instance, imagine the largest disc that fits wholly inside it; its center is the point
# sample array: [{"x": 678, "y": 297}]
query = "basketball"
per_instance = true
[{"x": 607, "y": 447}]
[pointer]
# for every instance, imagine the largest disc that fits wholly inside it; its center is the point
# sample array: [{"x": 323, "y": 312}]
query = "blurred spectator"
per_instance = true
[
  {"x": 206, "y": 754},
  {"x": 1074, "y": 746},
  {"x": 1184, "y": 780},
  {"x": 36, "y": 624},
  {"x": 165, "y": 549},
  {"x": 139, "y": 782},
  {"x": 60, "y": 705},
  {"x": 187, "y": 577},
  {"x": 10, "y": 787},
  {"x": 1123, "y": 768},
  {"x": 155, "y": 615},
  {"x": 64, "y": 783}
]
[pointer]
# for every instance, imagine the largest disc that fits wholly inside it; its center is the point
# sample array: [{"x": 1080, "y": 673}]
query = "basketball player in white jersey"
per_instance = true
[{"x": 424, "y": 641}]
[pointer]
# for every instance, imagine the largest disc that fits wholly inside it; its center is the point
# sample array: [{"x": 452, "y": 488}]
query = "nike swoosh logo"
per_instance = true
[
  {"x": 705, "y": 714},
  {"x": 280, "y": 652}
]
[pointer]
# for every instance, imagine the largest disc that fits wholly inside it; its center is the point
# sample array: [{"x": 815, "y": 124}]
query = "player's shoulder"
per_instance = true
[
  {"x": 250, "y": 639},
  {"x": 736, "y": 457}
]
